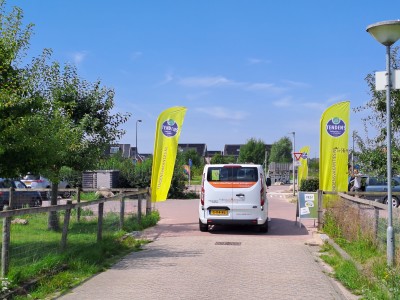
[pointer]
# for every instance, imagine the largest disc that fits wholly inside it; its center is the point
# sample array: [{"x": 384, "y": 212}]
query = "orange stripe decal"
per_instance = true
[{"x": 232, "y": 184}]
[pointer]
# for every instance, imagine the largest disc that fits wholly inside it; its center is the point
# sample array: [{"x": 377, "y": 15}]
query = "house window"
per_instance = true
[{"x": 114, "y": 150}]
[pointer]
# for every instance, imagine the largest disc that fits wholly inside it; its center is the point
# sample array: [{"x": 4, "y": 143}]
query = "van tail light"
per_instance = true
[
  {"x": 202, "y": 191},
  {"x": 262, "y": 191}
]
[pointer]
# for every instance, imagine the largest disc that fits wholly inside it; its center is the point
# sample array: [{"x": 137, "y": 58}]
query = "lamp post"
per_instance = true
[
  {"x": 136, "y": 154},
  {"x": 387, "y": 33},
  {"x": 352, "y": 157},
  {"x": 294, "y": 148}
]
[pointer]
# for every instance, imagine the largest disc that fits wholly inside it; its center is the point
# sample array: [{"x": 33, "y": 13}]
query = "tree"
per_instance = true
[
  {"x": 252, "y": 152},
  {"x": 80, "y": 121},
  {"x": 194, "y": 156},
  {"x": 222, "y": 159},
  {"x": 281, "y": 151},
  {"x": 51, "y": 118},
  {"x": 372, "y": 156},
  {"x": 19, "y": 123}
]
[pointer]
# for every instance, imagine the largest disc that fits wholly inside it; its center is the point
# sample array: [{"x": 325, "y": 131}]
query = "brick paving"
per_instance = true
[{"x": 225, "y": 263}]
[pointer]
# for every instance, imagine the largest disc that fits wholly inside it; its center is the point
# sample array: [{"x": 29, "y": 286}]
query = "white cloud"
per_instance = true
[
  {"x": 271, "y": 87},
  {"x": 315, "y": 105},
  {"x": 78, "y": 57},
  {"x": 136, "y": 55},
  {"x": 206, "y": 81},
  {"x": 297, "y": 84},
  {"x": 168, "y": 77},
  {"x": 223, "y": 113},
  {"x": 284, "y": 102},
  {"x": 256, "y": 61},
  {"x": 337, "y": 98}
]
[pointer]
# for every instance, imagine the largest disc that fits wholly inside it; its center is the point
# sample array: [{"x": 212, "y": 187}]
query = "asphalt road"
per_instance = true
[{"x": 225, "y": 263}]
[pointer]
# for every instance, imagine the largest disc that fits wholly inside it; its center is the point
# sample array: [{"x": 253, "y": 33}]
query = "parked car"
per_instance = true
[
  {"x": 21, "y": 197},
  {"x": 379, "y": 184},
  {"x": 40, "y": 182}
]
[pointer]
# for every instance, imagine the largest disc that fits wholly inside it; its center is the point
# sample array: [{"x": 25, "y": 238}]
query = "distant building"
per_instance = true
[
  {"x": 124, "y": 149},
  {"x": 232, "y": 150},
  {"x": 201, "y": 149},
  {"x": 211, "y": 153},
  {"x": 279, "y": 172}
]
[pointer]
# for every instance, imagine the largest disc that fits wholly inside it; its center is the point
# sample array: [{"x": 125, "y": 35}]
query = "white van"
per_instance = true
[{"x": 233, "y": 194}]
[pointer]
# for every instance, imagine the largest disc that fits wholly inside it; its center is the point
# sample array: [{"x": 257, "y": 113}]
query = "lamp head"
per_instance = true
[{"x": 387, "y": 32}]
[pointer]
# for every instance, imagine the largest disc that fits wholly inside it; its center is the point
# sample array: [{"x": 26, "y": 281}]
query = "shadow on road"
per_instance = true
[{"x": 277, "y": 227}]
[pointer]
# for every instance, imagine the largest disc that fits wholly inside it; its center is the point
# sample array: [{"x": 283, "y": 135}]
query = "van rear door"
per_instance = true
[
  {"x": 218, "y": 198},
  {"x": 246, "y": 193}
]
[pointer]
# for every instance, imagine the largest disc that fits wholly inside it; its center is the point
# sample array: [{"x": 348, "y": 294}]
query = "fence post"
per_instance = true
[
  {"x": 122, "y": 213},
  {"x": 78, "y": 199},
  {"x": 5, "y": 258},
  {"x": 376, "y": 223},
  {"x": 100, "y": 222},
  {"x": 65, "y": 227},
  {"x": 11, "y": 198},
  {"x": 320, "y": 195},
  {"x": 148, "y": 203},
  {"x": 139, "y": 208}
]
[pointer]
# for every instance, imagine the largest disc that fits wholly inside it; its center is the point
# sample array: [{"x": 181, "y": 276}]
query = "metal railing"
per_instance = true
[{"x": 358, "y": 217}]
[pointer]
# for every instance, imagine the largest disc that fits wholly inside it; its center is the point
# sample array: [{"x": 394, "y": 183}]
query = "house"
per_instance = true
[
  {"x": 232, "y": 150},
  {"x": 211, "y": 153},
  {"x": 201, "y": 149},
  {"x": 124, "y": 149}
]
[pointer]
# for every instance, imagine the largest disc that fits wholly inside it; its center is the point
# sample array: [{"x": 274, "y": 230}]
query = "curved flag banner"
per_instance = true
[
  {"x": 334, "y": 148},
  {"x": 303, "y": 168},
  {"x": 168, "y": 130}
]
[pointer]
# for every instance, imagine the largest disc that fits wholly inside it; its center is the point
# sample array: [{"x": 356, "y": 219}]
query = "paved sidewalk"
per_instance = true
[{"x": 225, "y": 263}]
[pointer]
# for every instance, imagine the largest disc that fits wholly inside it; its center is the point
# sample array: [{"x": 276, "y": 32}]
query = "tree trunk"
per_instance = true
[{"x": 53, "y": 223}]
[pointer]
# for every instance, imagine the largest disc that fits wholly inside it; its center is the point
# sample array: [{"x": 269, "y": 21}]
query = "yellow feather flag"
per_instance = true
[
  {"x": 334, "y": 147},
  {"x": 168, "y": 130},
  {"x": 303, "y": 168}
]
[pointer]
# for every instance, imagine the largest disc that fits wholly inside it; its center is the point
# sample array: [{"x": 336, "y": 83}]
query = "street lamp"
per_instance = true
[
  {"x": 387, "y": 33},
  {"x": 352, "y": 158},
  {"x": 136, "y": 154}
]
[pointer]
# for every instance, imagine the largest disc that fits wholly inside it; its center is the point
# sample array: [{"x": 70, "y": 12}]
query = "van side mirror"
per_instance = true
[{"x": 268, "y": 181}]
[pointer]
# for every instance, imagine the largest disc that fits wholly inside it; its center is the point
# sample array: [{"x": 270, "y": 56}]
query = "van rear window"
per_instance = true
[{"x": 243, "y": 174}]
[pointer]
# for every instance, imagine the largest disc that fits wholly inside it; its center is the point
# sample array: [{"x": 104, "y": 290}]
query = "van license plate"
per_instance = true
[{"x": 218, "y": 212}]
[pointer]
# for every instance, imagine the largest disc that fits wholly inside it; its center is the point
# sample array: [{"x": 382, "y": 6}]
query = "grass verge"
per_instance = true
[
  {"x": 371, "y": 278},
  {"x": 50, "y": 271}
]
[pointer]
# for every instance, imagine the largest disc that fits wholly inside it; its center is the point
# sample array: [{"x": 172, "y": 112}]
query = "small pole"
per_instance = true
[
  {"x": 65, "y": 227},
  {"x": 122, "y": 213},
  {"x": 78, "y": 199},
  {"x": 11, "y": 203},
  {"x": 320, "y": 195},
  {"x": 148, "y": 203},
  {"x": 100, "y": 222},
  {"x": 5, "y": 258},
  {"x": 139, "y": 212}
]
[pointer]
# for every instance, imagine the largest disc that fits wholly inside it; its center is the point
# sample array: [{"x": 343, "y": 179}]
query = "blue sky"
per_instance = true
[{"x": 244, "y": 69}]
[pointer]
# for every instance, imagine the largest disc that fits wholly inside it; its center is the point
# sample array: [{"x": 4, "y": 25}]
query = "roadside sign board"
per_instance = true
[{"x": 308, "y": 205}]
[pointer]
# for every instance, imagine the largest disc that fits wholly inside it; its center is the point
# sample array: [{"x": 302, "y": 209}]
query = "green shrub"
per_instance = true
[{"x": 309, "y": 185}]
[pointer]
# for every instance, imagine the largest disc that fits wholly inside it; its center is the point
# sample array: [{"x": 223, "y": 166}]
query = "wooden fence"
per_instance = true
[{"x": 122, "y": 194}]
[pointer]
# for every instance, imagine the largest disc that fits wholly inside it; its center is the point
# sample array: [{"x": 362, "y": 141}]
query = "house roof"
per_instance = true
[
  {"x": 232, "y": 149},
  {"x": 201, "y": 149}
]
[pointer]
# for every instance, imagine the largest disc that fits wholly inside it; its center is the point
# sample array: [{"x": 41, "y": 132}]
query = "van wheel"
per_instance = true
[
  {"x": 203, "y": 227},
  {"x": 264, "y": 227}
]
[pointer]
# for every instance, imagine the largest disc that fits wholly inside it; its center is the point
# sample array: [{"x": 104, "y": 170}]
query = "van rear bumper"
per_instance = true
[{"x": 235, "y": 222}]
